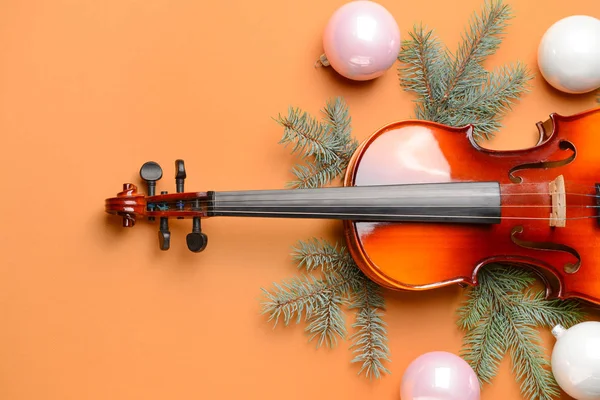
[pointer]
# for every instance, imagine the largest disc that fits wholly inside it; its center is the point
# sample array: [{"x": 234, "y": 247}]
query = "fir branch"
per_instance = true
[
  {"x": 529, "y": 363},
  {"x": 549, "y": 313},
  {"x": 455, "y": 89},
  {"x": 481, "y": 105},
  {"x": 315, "y": 175},
  {"x": 308, "y": 135},
  {"x": 332, "y": 260},
  {"x": 484, "y": 345},
  {"x": 338, "y": 120},
  {"x": 328, "y": 321},
  {"x": 370, "y": 339},
  {"x": 319, "y": 253},
  {"x": 321, "y": 300},
  {"x": 297, "y": 296},
  {"x": 501, "y": 315},
  {"x": 326, "y": 146},
  {"x": 479, "y": 42},
  {"x": 423, "y": 73}
]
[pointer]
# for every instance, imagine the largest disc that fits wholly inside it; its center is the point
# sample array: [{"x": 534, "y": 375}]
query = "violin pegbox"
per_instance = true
[{"x": 151, "y": 172}]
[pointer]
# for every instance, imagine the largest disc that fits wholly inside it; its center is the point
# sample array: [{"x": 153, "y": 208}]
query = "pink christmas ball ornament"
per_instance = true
[
  {"x": 361, "y": 40},
  {"x": 439, "y": 375}
]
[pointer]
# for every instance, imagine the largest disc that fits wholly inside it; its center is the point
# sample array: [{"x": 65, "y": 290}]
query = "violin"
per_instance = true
[{"x": 424, "y": 206}]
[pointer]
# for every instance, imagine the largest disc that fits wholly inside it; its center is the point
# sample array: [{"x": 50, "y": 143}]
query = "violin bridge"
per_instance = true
[{"x": 558, "y": 195}]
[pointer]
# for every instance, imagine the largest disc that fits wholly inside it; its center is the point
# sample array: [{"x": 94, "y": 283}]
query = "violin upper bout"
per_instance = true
[
  {"x": 128, "y": 204},
  {"x": 566, "y": 125}
]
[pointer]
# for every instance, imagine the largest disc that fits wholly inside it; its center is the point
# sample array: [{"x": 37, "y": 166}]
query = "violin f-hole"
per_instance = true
[
  {"x": 569, "y": 268},
  {"x": 563, "y": 145}
]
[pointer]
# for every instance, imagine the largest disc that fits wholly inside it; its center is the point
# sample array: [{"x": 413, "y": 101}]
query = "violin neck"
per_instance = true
[{"x": 453, "y": 202}]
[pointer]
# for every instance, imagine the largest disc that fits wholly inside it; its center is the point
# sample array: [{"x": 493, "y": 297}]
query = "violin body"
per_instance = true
[
  {"x": 424, "y": 206},
  {"x": 418, "y": 256}
]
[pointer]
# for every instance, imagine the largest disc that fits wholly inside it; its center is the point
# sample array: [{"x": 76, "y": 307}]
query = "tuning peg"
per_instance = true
[
  {"x": 151, "y": 172},
  {"x": 180, "y": 175},
  {"x": 164, "y": 235},
  {"x": 196, "y": 241}
]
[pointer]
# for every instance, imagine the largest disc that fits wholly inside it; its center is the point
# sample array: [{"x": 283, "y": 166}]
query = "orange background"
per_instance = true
[{"x": 89, "y": 90}]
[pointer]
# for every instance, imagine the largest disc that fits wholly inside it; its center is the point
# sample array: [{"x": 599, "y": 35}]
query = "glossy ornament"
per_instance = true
[
  {"x": 361, "y": 40},
  {"x": 569, "y": 54},
  {"x": 439, "y": 375},
  {"x": 576, "y": 360}
]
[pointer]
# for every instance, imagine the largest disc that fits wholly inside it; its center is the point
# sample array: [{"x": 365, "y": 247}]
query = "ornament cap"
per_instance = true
[
  {"x": 322, "y": 61},
  {"x": 558, "y": 331}
]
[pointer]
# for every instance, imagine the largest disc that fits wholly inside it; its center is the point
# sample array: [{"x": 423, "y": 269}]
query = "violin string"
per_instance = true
[
  {"x": 570, "y": 184},
  {"x": 295, "y": 198},
  {"x": 266, "y": 209},
  {"x": 400, "y": 206},
  {"x": 580, "y": 185},
  {"x": 358, "y": 216},
  {"x": 278, "y": 204}
]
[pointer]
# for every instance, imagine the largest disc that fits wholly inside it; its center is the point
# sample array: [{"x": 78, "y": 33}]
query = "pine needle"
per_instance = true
[
  {"x": 297, "y": 297},
  {"x": 501, "y": 315},
  {"x": 308, "y": 135},
  {"x": 370, "y": 339},
  {"x": 455, "y": 89},
  {"x": 319, "y": 253},
  {"x": 326, "y": 146},
  {"x": 328, "y": 322},
  {"x": 482, "y": 104},
  {"x": 484, "y": 345},
  {"x": 422, "y": 72},
  {"x": 315, "y": 175},
  {"x": 529, "y": 363},
  {"x": 480, "y": 41}
]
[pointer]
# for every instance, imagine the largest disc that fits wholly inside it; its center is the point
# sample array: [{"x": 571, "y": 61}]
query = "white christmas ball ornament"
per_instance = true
[
  {"x": 576, "y": 360},
  {"x": 569, "y": 54}
]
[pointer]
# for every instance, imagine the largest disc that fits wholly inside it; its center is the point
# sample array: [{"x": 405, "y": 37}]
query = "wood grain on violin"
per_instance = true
[{"x": 425, "y": 206}]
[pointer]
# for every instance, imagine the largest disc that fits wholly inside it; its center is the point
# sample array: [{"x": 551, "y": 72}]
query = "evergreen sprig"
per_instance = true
[
  {"x": 456, "y": 89},
  {"x": 370, "y": 338},
  {"x": 331, "y": 281},
  {"x": 326, "y": 146},
  {"x": 501, "y": 315}
]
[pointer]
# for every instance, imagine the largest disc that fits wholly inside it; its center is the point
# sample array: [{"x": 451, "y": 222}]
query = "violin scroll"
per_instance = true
[{"x": 128, "y": 204}]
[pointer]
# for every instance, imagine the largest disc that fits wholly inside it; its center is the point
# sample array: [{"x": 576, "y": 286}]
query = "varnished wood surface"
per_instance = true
[{"x": 420, "y": 256}]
